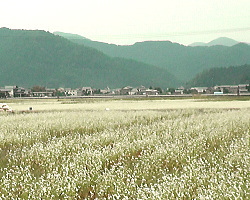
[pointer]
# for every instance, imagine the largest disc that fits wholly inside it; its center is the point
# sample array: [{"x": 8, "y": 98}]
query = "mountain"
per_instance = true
[
  {"x": 223, "y": 41},
  {"x": 197, "y": 44},
  {"x": 222, "y": 76},
  {"x": 70, "y": 36},
  {"x": 183, "y": 61},
  {"x": 36, "y": 57}
]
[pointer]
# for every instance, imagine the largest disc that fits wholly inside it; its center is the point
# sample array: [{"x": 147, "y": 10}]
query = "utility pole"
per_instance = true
[{"x": 238, "y": 91}]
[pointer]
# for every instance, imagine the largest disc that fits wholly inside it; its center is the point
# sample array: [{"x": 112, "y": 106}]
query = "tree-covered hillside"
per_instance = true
[
  {"x": 183, "y": 61},
  {"x": 30, "y": 58},
  {"x": 222, "y": 76}
]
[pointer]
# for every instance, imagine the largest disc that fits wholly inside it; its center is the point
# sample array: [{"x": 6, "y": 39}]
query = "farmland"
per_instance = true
[{"x": 125, "y": 149}]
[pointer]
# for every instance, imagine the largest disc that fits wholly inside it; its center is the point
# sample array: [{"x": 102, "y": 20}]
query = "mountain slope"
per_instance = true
[
  {"x": 222, "y": 76},
  {"x": 30, "y": 58},
  {"x": 70, "y": 36},
  {"x": 182, "y": 61}
]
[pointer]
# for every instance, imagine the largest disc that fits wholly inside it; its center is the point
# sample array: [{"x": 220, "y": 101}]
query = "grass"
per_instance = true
[{"x": 149, "y": 149}]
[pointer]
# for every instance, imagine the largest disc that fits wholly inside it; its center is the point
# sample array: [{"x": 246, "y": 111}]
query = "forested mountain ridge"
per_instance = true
[
  {"x": 30, "y": 58},
  {"x": 183, "y": 61},
  {"x": 222, "y": 76}
]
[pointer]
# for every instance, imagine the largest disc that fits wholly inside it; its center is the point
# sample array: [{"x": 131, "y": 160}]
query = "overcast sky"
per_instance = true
[{"x": 128, "y": 21}]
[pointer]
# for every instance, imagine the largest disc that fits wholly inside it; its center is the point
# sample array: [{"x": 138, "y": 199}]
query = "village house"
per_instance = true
[
  {"x": 87, "y": 91},
  {"x": 141, "y": 90},
  {"x": 60, "y": 91},
  {"x": 134, "y": 91},
  {"x": 49, "y": 92},
  {"x": 4, "y": 93},
  {"x": 10, "y": 90},
  {"x": 42, "y": 94},
  {"x": 14, "y": 91},
  {"x": 73, "y": 92},
  {"x": 112, "y": 91},
  {"x": 210, "y": 90},
  {"x": 200, "y": 90},
  {"x": 243, "y": 88},
  {"x": 232, "y": 89},
  {"x": 126, "y": 90},
  {"x": 137, "y": 91},
  {"x": 179, "y": 91},
  {"x": 22, "y": 92},
  {"x": 150, "y": 92},
  {"x": 105, "y": 91}
]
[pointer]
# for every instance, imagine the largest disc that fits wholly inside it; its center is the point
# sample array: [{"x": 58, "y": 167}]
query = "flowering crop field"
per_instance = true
[{"x": 125, "y": 149}]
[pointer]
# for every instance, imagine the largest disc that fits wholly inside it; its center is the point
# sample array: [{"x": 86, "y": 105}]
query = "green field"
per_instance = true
[{"x": 125, "y": 149}]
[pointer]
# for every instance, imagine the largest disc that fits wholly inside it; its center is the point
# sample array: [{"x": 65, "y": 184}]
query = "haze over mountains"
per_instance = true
[
  {"x": 30, "y": 58},
  {"x": 183, "y": 61}
]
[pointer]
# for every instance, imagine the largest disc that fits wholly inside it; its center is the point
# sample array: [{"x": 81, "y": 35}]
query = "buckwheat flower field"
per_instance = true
[{"x": 125, "y": 149}]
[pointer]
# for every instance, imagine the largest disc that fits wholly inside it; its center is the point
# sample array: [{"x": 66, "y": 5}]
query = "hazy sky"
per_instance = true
[{"x": 128, "y": 21}]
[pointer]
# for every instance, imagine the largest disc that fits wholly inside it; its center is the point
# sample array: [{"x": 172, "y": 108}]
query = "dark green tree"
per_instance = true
[
  {"x": 159, "y": 90},
  {"x": 38, "y": 88}
]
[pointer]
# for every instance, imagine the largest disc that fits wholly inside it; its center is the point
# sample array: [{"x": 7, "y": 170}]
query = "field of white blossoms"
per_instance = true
[{"x": 125, "y": 149}]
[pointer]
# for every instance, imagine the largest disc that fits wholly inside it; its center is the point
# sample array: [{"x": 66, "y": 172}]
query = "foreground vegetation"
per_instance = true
[{"x": 151, "y": 149}]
